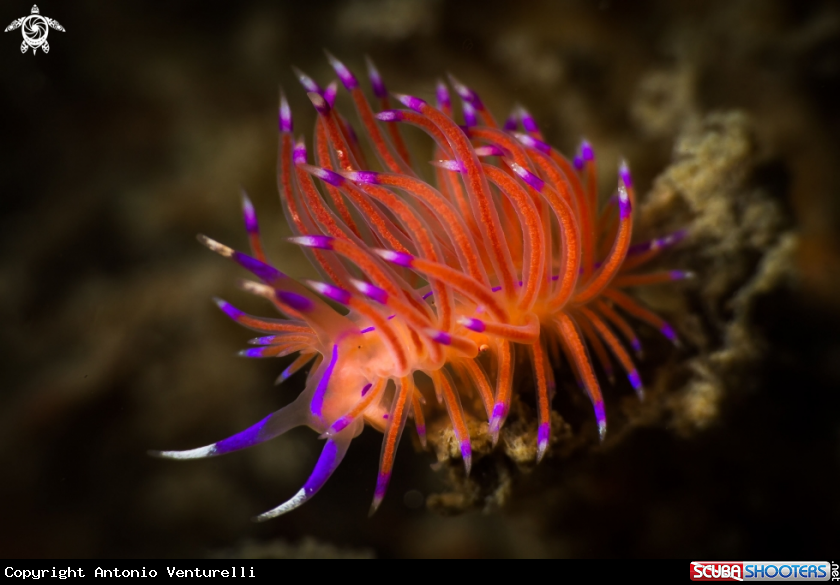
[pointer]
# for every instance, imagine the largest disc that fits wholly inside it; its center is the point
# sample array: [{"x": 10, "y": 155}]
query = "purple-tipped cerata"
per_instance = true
[
  {"x": 361, "y": 177},
  {"x": 321, "y": 104},
  {"x": 441, "y": 337},
  {"x": 285, "y": 114},
  {"x": 325, "y": 175},
  {"x": 434, "y": 284},
  {"x": 399, "y": 258},
  {"x": 299, "y": 154},
  {"x": 658, "y": 243},
  {"x": 448, "y": 165},
  {"x": 668, "y": 332},
  {"x": 680, "y": 274},
  {"x": 347, "y": 79},
  {"x": 470, "y": 118},
  {"x": 489, "y": 150},
  {"x": 472, "y": 324},
  {"x": 307, "y": 82},
  {"x": 376, "y": 83},
  {"x": 601, "y": 418},
  {"x": 528, "y": 122},
  {"x": 261, "y": 270},
  {"x": 624, "y": 175},
  {"x": 624, "y": 204},
  {"x": 442, "y": 96},
  {"x": 372, "y": 292},
  {"x": 500, "y": 411},
  {"x": 543, "y": 437},
  {"x": 511, "y": 123},
  {"x": 527, "y": 176},
  {"x": 465, "y": 93},
  {"x": 334, "y": 293},
  {"x": 249, "y": 215},
  {"x": 411, "y": 102},
  {"x": 532, "y": 142},
  {"x": 320, "y": 242},
  {"x": 228, "y": 309},
  {"x": 382, "y": 481},
  {"x": 294, "y": 300},
  {"x": 330, "y": 93},
  {"x": 586, "y": 151}
]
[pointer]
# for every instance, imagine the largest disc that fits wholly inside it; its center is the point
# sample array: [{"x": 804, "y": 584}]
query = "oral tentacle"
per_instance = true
[
  {"x": 331, "y": 456},
  {"x": 274, "y": 425}
]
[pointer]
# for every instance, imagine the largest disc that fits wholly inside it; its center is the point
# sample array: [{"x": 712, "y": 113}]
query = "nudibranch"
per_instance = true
[{"x": 507, "y": 255}]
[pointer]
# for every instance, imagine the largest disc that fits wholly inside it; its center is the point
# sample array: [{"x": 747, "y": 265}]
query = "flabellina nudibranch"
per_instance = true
[{"x": 507, "y": 255}]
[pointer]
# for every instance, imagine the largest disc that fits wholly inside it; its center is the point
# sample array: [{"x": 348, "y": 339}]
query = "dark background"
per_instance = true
[{"x": 136, "y": 132}]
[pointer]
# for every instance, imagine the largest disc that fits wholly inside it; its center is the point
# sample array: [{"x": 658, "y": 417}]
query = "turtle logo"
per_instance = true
[{"x": 35, "y": 29}]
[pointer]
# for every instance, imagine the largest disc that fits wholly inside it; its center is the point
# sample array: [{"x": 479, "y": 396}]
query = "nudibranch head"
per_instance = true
[{"x": 507, "y": 253}]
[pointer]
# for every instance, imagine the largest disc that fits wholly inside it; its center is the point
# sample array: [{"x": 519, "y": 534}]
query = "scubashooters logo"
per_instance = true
[
  {"x": 35, "y": 29},
  {"x": 760, "y": 571}
]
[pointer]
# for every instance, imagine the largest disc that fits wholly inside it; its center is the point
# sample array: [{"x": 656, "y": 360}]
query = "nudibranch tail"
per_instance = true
[{"x": 508, "y": 255}]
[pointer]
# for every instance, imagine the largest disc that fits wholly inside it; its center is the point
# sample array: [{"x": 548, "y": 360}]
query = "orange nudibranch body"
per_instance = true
[{"x": 508, "y": 254}]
